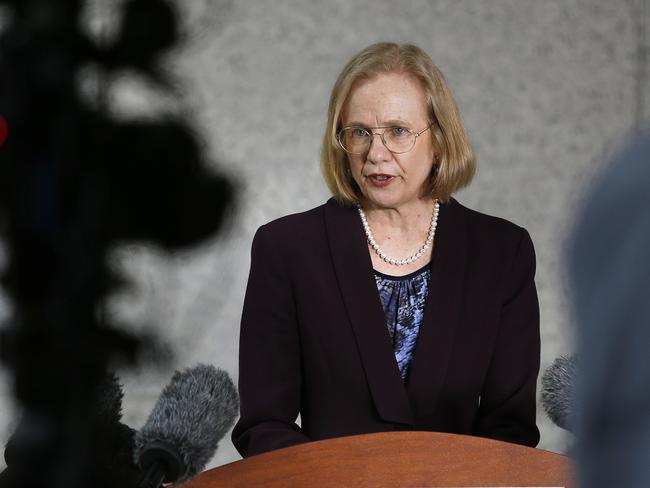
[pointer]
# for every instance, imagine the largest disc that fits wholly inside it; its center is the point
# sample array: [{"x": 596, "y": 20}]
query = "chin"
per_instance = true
[{"x": 383, "y": 201}]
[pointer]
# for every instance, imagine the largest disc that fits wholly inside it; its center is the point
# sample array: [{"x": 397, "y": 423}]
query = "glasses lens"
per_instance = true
[
  {"x": 399, "y": 139},
  {"x": 355, "y": 140}
]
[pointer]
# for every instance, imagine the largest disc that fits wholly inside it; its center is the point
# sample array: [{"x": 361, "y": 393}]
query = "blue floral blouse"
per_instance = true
[{"x": 403, "y": 298}]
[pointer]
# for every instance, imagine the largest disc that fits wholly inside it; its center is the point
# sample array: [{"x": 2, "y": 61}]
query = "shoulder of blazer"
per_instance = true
[
  {"x": 486, "y": 228},
  {"x": 295, "y": 223},
  {"x": 300, "y": 229}
]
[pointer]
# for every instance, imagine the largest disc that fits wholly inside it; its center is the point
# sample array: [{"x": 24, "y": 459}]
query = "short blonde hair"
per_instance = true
[{"x": 455, "y": 162}]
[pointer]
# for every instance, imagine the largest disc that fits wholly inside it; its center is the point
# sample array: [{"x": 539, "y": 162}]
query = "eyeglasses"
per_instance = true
[{"x": 398, "y": 140}]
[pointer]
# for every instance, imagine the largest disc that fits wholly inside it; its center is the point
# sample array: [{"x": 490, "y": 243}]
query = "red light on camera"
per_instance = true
[{"x": 4, "y": 130}]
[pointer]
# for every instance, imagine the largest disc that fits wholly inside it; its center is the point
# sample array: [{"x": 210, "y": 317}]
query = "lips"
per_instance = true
[{"x": 381, "y": 179}]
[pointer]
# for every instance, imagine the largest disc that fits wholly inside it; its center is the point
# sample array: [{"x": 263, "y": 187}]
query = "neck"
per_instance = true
[
  {"x": 404, "y": 217},
  {"x": 399, "y": 239}
]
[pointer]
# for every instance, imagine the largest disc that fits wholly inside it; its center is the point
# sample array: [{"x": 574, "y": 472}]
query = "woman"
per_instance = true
[{"x": 392, "y": 306}]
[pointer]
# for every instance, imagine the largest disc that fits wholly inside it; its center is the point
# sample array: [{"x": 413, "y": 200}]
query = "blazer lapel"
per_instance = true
[
  {"x": 353, "y": 268},
  {"x": 441, "y": 312}
]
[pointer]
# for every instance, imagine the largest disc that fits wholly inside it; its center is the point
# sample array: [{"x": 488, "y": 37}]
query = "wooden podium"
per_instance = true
[{"x": 394, "y": 459}]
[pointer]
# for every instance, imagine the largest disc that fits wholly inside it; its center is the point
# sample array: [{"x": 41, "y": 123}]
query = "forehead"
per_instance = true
[{"x": 386, "y": 97}]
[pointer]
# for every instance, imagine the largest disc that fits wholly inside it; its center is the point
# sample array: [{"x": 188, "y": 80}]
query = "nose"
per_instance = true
[{"x": 378, "y": 150}]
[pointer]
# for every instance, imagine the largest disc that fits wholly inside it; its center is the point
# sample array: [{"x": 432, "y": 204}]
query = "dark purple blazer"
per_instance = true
[{"x": 314, "y": 339}]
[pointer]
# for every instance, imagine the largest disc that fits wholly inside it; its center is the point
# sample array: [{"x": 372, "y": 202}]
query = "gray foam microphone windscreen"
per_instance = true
[
  {"x": 192, "y": 415},
  {"x": 558, "y": 386}
]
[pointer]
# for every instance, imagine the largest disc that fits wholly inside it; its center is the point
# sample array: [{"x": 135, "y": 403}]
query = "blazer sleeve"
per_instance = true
[
  {"x": 269, "y": 355},
  {"x": 508, "y": 399}
]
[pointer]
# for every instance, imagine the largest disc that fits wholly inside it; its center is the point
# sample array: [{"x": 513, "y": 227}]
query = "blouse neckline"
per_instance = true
[{"x": 404, "y": 277}]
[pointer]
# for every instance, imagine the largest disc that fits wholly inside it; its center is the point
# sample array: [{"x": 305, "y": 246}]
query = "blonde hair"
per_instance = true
[{"x": 455, "y": 162}]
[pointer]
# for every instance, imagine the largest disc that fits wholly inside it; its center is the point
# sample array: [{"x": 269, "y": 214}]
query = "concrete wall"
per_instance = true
[{"x": 546, "y": 88}]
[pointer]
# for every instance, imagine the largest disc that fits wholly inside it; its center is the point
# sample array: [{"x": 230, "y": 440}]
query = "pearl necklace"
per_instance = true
[{"x": 417, "y": 255}]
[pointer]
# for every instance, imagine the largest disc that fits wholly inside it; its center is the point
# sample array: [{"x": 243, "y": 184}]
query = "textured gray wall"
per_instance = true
[{"x": 546, "y": 88}]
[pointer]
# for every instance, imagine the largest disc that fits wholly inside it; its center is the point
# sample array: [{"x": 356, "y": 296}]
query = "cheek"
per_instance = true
[
  {"x": 356, "y": 165},
  {"x": 417, "y": 167},
  {"x": 354, "y": 171},
  {"x": 426, "y": 158}
]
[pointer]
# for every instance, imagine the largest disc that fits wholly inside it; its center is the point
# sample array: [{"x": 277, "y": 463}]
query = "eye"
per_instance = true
[
  {"x": 358, "y": 132},
  {"x": 399, "y": 131}
]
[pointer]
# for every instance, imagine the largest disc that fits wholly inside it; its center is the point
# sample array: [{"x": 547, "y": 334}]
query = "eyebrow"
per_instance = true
[{"x": 390, "y": 123}]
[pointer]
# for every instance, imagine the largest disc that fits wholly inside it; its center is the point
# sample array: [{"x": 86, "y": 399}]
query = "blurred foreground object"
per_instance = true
[
  {"x": 73, "y": 183},
  {"x": 610, "y": 269},
  {"x": 117, "y": 440}
]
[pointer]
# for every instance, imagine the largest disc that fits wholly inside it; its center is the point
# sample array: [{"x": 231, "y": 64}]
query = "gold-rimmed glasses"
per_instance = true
[{"x": 397, "y": 139}]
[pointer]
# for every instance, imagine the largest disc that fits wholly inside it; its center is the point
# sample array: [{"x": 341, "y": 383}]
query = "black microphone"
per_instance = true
[
  {"x": 113, "y": 459},
  {"x": 558, "y": 387},
  {"x": 106, "y": 412},
  {"x": 189, "y": 419}
]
